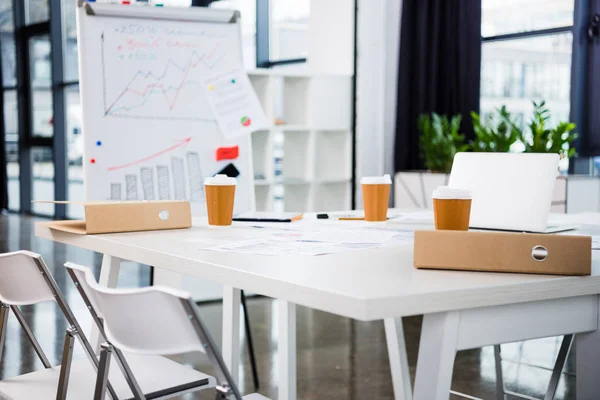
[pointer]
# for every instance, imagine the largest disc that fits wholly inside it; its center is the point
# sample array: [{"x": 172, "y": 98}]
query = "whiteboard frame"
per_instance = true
[{"x": 188, "y": 14}]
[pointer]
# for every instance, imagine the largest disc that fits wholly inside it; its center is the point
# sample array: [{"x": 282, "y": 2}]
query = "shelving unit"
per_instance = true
[{"x": 303, "y": 161}]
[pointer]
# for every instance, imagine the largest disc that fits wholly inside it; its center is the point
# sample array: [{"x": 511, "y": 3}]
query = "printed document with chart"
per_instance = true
[{"x": 234, "y": 103}]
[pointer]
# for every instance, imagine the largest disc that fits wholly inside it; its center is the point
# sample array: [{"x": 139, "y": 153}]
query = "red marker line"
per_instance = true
[{"x": 150, "y": 157}]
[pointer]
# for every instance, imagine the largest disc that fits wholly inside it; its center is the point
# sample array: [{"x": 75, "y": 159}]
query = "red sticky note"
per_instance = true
[{"x": 228, "y": 153}]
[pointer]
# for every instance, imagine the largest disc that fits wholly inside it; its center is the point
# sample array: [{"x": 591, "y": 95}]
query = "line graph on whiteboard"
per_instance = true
[{"x": 153, "y": 73}]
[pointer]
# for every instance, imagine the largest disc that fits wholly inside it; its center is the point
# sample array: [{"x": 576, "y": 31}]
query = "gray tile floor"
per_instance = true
[{"x": 338, "y": 358}]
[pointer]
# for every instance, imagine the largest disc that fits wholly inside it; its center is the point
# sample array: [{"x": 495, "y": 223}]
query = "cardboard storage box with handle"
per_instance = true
[
  {"x": 126, "y": 216},
  {"x": 503, "y": 252}
]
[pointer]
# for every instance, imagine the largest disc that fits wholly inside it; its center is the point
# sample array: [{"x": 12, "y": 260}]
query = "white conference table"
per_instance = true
[{"x": 462, "y": 310}]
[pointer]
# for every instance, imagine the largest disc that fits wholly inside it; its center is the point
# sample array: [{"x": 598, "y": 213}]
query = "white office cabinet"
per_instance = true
[{"x": 303, "y": 162}]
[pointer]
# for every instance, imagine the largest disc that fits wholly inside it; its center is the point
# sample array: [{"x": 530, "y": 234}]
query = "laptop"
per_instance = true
[{"x": 511, "y": 191}]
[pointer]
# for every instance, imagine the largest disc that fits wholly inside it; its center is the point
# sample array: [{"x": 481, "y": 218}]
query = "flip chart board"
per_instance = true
[{"x": 149, "y": 130}]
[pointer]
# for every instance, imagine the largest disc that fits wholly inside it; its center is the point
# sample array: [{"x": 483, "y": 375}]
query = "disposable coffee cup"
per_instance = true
[
  {"x": 376, "y": 196},
  {"x": 451, "y": 208},
  {"x": 220, "y": 193}
]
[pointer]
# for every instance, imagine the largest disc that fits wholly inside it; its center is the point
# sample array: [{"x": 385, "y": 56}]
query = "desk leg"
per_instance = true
[
  {"x": 109, "y": 277},
  {"x": 286, "y": 330},
  {"x": 437, "y": 352},
  {"x": 396, "y": 344},
  {"x": 231, "y": 330},
  {"x": 587, "y": 367}
]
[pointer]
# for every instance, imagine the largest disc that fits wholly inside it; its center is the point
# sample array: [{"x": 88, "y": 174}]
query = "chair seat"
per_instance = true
[
  {"x": 153, "y": 373},
  {"x": 255, "y": 396}
]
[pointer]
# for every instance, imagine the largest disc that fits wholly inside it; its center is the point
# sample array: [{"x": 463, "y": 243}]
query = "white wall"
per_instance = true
[
  {"x": 331, "y": 37},
  {"x": 377, "y": 70}
]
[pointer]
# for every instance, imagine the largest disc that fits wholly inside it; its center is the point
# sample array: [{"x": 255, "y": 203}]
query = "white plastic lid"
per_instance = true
[
  {"x": 376, "y": 180},
  {"x": 445, "y": 192},
  {"x": 220, "y": 180}
]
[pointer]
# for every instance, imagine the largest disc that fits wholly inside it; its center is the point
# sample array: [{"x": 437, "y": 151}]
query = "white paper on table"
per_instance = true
[
  {"x": 339, "y": 236},
  {"x": 234, "y": 103},
  {"x": 416, "y": 216},
  {"x": 280, "y": 247},
  {"x": 308, "y": 239}
]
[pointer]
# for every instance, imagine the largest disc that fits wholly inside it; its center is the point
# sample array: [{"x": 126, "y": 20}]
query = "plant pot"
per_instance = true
[
  {"x": 413, "y": 189},
  {"x": 576, "y": 193}
]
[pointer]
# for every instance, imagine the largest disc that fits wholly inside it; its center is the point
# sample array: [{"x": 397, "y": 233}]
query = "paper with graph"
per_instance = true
[
  {"x": 234, "y": 103},
  {"x": 149, "y": 130}
]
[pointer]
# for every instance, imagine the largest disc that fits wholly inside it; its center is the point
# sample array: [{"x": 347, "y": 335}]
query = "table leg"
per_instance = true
[
  {"x": 437, "y": 352},
  {"x": 109, "y": 277},
  {"x": 396, "y": 344},
  {"x": 587, "y": 367},
  {"x": 286, "y": 352},
  {"x": 163, "y": 277},
  {"x": 231, "y": 330}
]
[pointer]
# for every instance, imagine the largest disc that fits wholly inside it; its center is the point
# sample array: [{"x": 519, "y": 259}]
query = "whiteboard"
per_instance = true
[{"x": 149, "y": 132}]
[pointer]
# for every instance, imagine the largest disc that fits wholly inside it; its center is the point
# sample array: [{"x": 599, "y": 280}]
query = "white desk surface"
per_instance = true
[{"x": 365, "y": 284}]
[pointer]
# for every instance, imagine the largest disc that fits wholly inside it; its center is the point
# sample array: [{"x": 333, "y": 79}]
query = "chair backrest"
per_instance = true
[
  {"x": 21, "y": 282},
  {"x": 147, "y": 320}
]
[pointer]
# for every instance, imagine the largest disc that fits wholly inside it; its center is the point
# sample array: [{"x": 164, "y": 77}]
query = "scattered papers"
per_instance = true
[
  {"x": 414, "y": 217},
  {"x": 306, "y": 239}
]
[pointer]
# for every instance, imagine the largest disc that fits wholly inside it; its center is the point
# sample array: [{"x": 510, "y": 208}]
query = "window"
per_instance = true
[
  {"x": 288, "y": 36},
  {"x": 34, "y": 175},
  {"x": 526, "y": 56},
  {"x": 248, "y": 11}
]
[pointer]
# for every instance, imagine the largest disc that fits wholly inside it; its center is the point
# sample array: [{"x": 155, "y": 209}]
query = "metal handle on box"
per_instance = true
[{"x": 539, "y": 253}]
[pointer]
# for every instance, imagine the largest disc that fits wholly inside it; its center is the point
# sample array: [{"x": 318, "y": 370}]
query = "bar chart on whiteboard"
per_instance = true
[{"x": 149, "y": 130}]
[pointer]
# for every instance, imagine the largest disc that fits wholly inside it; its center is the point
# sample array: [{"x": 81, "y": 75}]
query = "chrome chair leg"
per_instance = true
[
  {"x": 65, "y": 369},
  {"x": 559, "y": 365},
  {"x": 4, "y": 311},
  {"x": 103, "y": 369},
  {"x": 30, "y": 336},
  {"x": 500, "y": 390}
]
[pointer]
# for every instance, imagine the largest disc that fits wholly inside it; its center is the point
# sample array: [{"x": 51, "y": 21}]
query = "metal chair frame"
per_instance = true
[
  {"x": 74, "y": 331},
  {"x": 226, "y": 387}
]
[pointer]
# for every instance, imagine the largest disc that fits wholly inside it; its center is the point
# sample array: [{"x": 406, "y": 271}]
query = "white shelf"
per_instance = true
[
  {"x": 292, "y": 128},
  {"x": 264, "y": 198},
  {"x": 332, "y": 155},
  {"x": 297, "y": 197},
  {"x": 298, "y": 149},
  {"x": 294, "y": 74},
  {"x": 262, "y": 155},
  {"x": 262, "y": 182},
  {"x": 314, "y": 144},
  {"x": 331, "y": 196}
]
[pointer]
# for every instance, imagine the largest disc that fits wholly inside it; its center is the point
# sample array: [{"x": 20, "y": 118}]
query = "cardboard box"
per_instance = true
[
  {"x": 126, "y": 216},
  {"x": 503, "y": 252}
]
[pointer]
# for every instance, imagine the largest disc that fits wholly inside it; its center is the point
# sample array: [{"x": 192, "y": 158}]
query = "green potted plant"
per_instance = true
[
  {"x": 544, "y": 139},
  {"x": 440, "y": 139},
  {"x": 496, "y": 132}
]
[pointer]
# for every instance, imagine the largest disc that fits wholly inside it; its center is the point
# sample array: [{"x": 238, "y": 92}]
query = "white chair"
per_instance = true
[
  {"x": 25, "y": 280},
  {"x": 153, "y": 322}
]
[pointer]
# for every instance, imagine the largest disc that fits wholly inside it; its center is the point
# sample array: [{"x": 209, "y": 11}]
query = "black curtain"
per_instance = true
[
  {"x": 585, "y": 80},
  {"x": 3, "y": 174},
  {"x": 439, "y": 69}
]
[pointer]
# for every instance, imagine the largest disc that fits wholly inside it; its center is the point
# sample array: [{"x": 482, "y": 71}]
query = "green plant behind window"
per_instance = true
[
  {"x": 549, "y": 140},
  {"x": 440, "y": 140},
  {"x": 496, "y": 133}
]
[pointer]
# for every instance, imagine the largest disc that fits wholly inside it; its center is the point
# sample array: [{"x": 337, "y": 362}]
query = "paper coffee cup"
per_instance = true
[
  {"x": 451, "y": 208},
  {"x": 220, "y": 193},
  {"x": 376, "y": 196}
]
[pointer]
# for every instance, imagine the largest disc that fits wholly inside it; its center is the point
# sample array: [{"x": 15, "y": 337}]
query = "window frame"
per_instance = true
[
  {"x": 581, "y": 79},
  {"x": 263, "y": 39}
]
